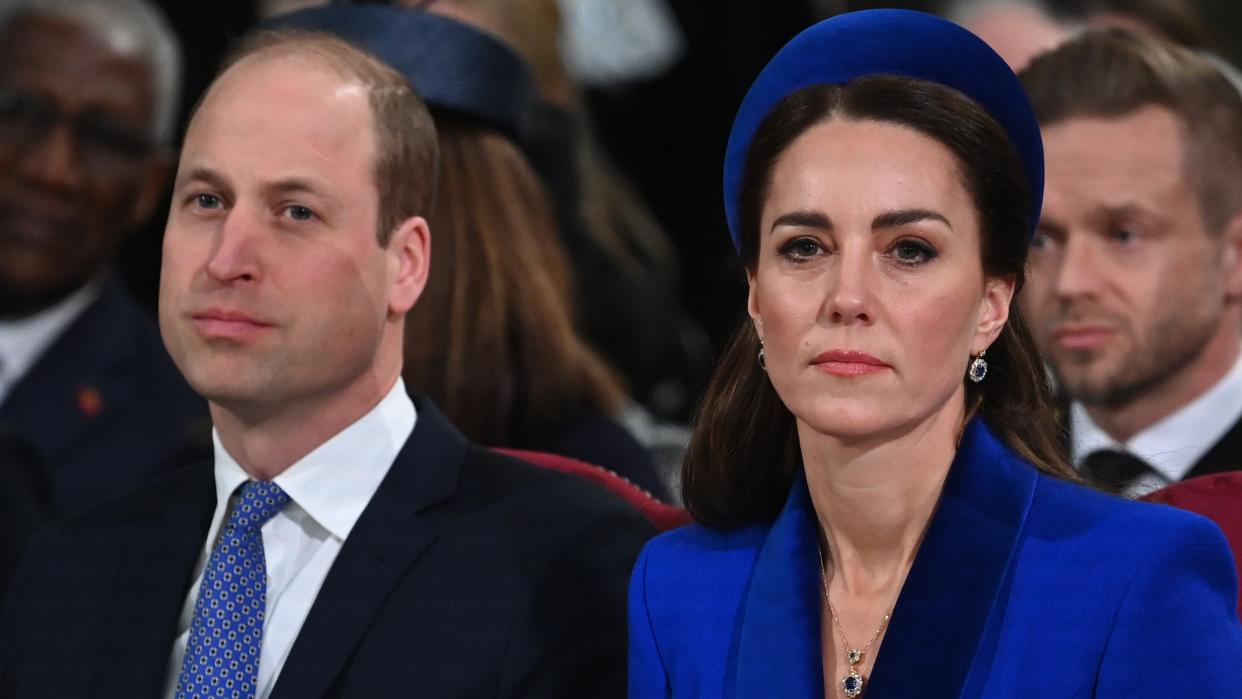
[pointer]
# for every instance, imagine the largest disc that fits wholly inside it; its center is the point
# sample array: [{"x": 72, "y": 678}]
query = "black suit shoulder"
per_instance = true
[{"x": 104, "y": 405}]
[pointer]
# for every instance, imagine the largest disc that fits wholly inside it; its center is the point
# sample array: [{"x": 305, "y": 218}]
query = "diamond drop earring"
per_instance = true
[{"x": 978, "y": 368}]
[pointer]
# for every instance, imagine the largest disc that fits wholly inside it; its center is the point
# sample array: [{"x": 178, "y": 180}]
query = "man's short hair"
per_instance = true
[
  {"x": 407, "y": 153},
  {"x": 131, "y": 27},
  {"x": 1111, "y": 73}
]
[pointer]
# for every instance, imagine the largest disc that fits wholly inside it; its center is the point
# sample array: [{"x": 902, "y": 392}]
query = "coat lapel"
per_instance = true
[
  {"x": 937, "y": 631},
  {"x": 381, "y": 549},
  {"x": 155, "y": 568},
  {"x": 777, "y": 649},
  {"x": 941, "y": 615}
]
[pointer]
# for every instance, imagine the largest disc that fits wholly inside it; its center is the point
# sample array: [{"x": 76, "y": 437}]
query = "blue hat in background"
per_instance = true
[
  {"x": 888, "y": 42},
  {"x": 452, "y": 65}
]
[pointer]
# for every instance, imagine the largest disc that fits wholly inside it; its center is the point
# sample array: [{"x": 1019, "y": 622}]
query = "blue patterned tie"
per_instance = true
[{"x": 222, "y": 653}]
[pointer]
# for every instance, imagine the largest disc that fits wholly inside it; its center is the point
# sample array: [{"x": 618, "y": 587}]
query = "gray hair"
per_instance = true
[{"x": 131, "y": 28}]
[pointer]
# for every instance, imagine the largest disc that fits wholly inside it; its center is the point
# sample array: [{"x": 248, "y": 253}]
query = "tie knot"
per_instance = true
[
  {"x": 258, "y": 502},
  {"x": 1113, "y": 469}
]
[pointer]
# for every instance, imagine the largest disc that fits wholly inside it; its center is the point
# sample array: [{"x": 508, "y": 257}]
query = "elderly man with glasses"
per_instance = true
[{"x": 88, "y": 94}]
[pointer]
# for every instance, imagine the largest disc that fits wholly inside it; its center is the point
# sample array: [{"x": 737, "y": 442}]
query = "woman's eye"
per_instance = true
[
  {"x": 801, "y": 249},
  {"x": 207, "y": 201},
  {"x": 913, "y": 252}
]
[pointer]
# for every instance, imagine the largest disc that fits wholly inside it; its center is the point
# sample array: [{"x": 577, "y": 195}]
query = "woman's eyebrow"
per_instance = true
[{"x": 894, "y": 219}]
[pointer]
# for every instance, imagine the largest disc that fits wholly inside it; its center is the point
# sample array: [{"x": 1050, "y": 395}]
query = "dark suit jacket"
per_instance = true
[
  {"x": 469, "y": 574},
  {"x": 104, "y": 406},
  {"x": 25, "y": 500},
  {"x": 1225, "y": 455},
  {"x": 1024, "y": 586}
]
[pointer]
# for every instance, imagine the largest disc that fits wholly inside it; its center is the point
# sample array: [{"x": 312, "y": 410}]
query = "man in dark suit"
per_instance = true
[
  {"x": 1135, "y": 281},
  {"x": 88, "y": 92},
  {"x": 348, "y": 541}
]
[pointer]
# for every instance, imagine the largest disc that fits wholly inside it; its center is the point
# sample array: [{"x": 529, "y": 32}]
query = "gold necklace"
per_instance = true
[{"x": 852, "y": 683}]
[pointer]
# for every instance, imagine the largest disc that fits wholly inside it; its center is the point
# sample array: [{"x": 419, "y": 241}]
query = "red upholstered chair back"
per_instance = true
[
  {"x": 662, "y": 515},
  {"x": 1217, "y": 497}
]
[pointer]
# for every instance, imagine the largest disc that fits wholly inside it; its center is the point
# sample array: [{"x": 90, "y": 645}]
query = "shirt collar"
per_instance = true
[
  {"x": 1174, "y": 444},
  {"x": 23, "y": 341},
  {"x": 333, "y": 483}
]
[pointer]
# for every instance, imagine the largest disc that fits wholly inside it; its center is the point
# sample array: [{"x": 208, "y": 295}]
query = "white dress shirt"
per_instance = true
[
  {"x": 1173, "y": 445},
  {"x": 328, "y": 490},
  {"x": 23, "y": 341}
]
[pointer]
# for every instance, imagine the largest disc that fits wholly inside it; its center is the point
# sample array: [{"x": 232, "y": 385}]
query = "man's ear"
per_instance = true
[
  {"x": 1231, "y": 256},
  {"x": 752, "y": 302},
  {"x": 993, "y": 311},
  {"x": 152, "y": 185},
  {"x": 409, "y": 263}
]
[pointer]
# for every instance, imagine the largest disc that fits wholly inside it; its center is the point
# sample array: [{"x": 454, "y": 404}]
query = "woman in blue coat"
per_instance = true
[{"x": 882, "y": 507}]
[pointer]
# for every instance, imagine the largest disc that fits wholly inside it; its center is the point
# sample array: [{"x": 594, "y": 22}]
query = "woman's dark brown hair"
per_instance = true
[
  {"x": 744, "y": 452},
  {"x": 491, "y": 340}
]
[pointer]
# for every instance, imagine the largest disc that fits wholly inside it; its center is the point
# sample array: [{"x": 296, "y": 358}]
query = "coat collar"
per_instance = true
[{"x": 945, "y": 603}]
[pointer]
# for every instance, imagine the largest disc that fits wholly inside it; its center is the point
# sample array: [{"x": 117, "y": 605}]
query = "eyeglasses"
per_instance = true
[{"x": 27, "y": 118}]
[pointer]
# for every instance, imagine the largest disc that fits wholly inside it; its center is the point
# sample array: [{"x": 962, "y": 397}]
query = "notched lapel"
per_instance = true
[
  {"x": 381, "y": 549},
  {"x": 937, "y": 631},
  {"x": 156, "y": 568}
]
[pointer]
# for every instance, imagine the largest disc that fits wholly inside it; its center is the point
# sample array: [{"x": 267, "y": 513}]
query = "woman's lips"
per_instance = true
[{"x": 848, "y": 363}]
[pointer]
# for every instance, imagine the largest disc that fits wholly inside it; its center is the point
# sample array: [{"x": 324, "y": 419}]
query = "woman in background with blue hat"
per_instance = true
[{"x": 883, "y": 509}]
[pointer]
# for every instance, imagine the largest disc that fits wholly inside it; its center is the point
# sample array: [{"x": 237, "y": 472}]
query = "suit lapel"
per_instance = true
[
  {"x": 155, "y": 567},
  {"x": 381, "y": 549},
  {"x": 1225, "y": 455},
  {"x": 63, "y": 392},
  {"x": 958, "y": 574}
]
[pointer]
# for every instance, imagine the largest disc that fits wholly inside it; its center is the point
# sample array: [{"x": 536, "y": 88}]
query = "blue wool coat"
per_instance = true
[{"x": 1024, "y": 586}]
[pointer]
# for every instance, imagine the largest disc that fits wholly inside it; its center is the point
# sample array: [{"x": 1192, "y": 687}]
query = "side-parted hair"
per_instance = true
[
  {"x": 492, "y": 340},
  {"x": 1111, "y": 73},
  {"x": 407, "y": 151},
  {"x": 744, "y": 452}
]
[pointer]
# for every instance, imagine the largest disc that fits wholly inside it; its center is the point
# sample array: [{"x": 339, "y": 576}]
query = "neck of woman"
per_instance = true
[{"x": 874, "y": 499}]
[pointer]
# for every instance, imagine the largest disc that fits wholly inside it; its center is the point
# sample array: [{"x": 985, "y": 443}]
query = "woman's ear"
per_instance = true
[
  {"x": 752, "y": 302},
  {"x": 993, "y": 311}
]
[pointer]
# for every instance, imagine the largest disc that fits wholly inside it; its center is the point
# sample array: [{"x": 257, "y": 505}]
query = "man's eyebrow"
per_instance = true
[
  {"x": 201, "y": 174},
  {"x": 803, "y": 219},
  {"x": 301, "y": 185},
  {"x": 903, "y": 217}
]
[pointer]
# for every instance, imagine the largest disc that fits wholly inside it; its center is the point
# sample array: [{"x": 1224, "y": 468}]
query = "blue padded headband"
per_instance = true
[{"x": 888, "y": 42}]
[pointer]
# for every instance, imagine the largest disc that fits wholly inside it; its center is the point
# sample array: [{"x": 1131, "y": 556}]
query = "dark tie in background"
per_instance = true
[{"x": 1113, "y": 470}]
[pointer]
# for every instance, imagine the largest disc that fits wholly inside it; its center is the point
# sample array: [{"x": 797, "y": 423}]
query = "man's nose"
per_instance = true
[
  {"x": 51, "y": 160},
  {"x": 234, "y": 256},
  {"x": 1079, "y": 271}
]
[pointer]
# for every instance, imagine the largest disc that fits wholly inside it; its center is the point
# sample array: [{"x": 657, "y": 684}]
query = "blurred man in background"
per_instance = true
[
  {"x": 88, "y": 95},
  {"x": 1134, "y": 291}
]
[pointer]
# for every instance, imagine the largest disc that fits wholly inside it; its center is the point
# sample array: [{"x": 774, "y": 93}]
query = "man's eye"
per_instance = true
[
  {"x": 1124, "y": 235},
  {"x": 207, "y": 201},
  {"x": 300, "y": 213}
]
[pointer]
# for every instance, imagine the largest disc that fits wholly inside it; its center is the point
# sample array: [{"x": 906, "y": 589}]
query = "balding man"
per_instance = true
[
  {"x": 348, "y": 542},
  {"x": 88, "y": 91}
]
